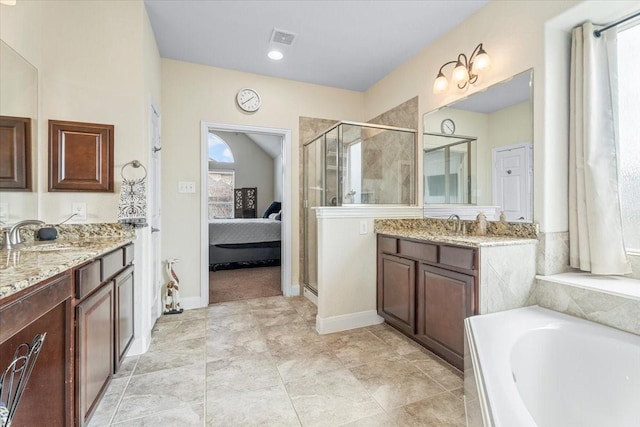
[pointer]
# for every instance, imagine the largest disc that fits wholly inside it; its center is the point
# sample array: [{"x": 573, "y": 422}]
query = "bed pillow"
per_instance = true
[
  {"x": 274, "y": 207},
  {"x": 279, "y": 216},
  {"x": 273, "y": 216}
]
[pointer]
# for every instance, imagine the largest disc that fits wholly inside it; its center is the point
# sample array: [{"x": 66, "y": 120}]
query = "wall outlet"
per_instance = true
[
  {"x": 4, "y": 212},
  {"x": 363, "y": 227},
  {"x": 186, "y": 187},
  {"x": 80, "y": 211}
]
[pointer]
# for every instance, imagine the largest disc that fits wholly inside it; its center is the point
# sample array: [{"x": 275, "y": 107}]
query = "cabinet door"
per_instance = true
[
  {"x": 445, "y": 299},
  {"x": 124, "y": 315},
  {"x": 95, "y": 349},
  {"x": 396, "y": 291}
]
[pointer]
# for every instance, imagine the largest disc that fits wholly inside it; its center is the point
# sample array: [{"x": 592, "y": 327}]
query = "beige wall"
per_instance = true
[
  {"x": 513, "y": 33},
  {"x": 191, "y": 93}
]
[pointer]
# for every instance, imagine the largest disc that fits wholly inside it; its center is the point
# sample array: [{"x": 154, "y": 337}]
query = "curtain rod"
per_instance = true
[{"x": 598, "y": 33}]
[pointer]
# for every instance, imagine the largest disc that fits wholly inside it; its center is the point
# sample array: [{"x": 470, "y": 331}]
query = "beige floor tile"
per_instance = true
[
  {"x": 441, "y": 410},
  {"x": 458, "y": 392},
  {"x": 127, "y": 367},
  {"x": 306, "y": 363},
  {"x": 169, "y": 355},
  {"x": 222, "y": 346},
  {"x": 268, "y": 317},
  {"x": 109, "y": 403},
  {"x": 331, "y": 399},
  {"x": 150, "y": 393},
  {"x": 169, "y": 332},
  {"x": 246, "y": 372},
  {"x": 224, "y": 309},
  {"x": 378, "y": 420},
  {"x": 268, "y": 406},
  {"x": 359, "y": 348},
  {"x": 199, "y": 313},
  {"x": 439, "y": 370},
  {"x": 398, "y": 342},
  {"x": 394, "y": 382},
  {"x": 232, "y": 323},
  {"x": 184, "y": 416}
]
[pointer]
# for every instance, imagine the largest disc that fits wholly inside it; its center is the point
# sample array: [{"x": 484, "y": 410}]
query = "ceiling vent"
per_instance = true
[{"x": 282, "y": 37}]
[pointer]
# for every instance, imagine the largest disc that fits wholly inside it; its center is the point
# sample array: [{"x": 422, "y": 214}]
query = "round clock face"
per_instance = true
[
  {"x": 448, "y": 126},
  {"x": 248, "y": 100}
]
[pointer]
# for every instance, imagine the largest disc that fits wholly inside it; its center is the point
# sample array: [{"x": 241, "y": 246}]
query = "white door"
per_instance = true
[
  {"x": 155, "y": 215},
  {"x": 512, "y": 183}
]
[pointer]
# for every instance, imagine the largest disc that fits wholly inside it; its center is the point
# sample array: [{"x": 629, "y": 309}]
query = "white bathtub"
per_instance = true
[{"x": 536, "y": 367}]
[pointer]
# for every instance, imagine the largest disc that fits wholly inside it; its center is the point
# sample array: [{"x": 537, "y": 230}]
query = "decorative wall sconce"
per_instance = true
[{"x": 465, "y": 71}]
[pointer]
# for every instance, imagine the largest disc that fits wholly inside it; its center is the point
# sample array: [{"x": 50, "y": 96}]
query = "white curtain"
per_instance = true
[{"x": 595, "y": 223}]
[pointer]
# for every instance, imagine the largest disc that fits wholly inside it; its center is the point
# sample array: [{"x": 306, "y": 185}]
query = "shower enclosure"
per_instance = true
[{"x": 355, "y": 164}]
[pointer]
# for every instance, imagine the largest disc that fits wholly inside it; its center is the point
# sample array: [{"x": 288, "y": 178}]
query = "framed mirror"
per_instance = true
[
  {"x": 478, "y": 153},
  {"x": 19, "y": 112}
]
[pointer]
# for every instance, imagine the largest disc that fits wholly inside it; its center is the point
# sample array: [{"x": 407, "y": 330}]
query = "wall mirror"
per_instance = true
[
  {"x": 19, "y": 98},
  {"x": 478, "y": 153}
]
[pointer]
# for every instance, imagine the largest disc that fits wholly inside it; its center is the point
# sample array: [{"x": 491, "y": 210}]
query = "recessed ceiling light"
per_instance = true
[
  {"x": 276, "y": 55},
  {"x": 8, "y": 2}
]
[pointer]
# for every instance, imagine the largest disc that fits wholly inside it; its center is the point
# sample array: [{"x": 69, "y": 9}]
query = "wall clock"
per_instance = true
[
  {"x": 248, "y": 100},
  {"x": 448, "y": 126}
]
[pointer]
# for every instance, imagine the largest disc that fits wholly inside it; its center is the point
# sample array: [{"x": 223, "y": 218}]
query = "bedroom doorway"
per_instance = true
[{"x": 241, "y": 255}]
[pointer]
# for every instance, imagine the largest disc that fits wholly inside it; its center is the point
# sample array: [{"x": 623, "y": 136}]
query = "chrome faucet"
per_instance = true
[
  {"x": 14, "y": 231},
  {"x": 456, "y": 224}
]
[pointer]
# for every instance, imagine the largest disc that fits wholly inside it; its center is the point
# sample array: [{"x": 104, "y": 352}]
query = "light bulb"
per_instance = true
[
  {"x": 460, "y": 73},
  {"x": 481, "y": 63},
  {"x": 441, "y": 83},
  {"x": 276, "y": 55}
]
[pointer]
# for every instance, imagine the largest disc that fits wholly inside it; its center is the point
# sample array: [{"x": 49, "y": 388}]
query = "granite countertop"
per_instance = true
[
  {"x": 436, "y": 230},
  {"x": 34, "y": 261}
]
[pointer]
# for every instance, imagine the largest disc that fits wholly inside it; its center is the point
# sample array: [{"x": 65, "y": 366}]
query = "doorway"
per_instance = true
[
  {"x": 512, "y": 181},
  {"x": 284, "y": 177}
]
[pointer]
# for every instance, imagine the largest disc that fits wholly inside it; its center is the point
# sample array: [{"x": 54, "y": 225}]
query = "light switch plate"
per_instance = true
[
  {"x": 186, "y": 187},
  {"x": 363, "y": 227}
]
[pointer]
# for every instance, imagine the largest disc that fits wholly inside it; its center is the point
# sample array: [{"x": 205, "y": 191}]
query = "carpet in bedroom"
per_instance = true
[{"x": 244, "y": 283}]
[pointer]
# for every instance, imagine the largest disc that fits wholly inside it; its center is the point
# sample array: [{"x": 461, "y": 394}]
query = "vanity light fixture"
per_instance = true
[
  {"x": 465, "y": 71},
  {"x": 276, "y": 55}
]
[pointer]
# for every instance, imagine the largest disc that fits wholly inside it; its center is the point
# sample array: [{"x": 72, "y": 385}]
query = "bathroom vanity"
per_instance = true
[
  {"x": 80, "y": 292},
  {"x": 429, "y": 281}
]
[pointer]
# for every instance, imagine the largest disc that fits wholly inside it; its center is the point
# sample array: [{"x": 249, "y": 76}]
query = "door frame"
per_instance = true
[{"x": 288, "y": 287}]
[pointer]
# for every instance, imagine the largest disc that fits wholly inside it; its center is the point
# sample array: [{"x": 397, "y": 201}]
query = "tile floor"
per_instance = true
[{"x": 259, "y": 362}]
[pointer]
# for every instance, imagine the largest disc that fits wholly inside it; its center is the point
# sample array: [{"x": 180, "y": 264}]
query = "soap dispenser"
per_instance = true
[{"x": 481, "y": 224}]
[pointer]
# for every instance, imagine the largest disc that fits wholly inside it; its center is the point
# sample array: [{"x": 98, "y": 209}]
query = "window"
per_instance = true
[
  {"x": 629, "y": 135},
  {"x": 219, "y": 150},
  {"x": 220, "y": 193}
]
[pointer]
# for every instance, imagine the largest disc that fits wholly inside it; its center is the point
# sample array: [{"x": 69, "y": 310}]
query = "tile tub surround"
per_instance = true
[
  {"x": 553, "y": 253},
  {"x": 568, "y": 294},
  {"x": 248, "y": 371},
  {"x": 437, "y": 230},
  {"x": 36, "y": 261}
]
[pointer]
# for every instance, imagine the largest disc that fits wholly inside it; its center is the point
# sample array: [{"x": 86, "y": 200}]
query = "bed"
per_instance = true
[{"x": 243, "y": 241}]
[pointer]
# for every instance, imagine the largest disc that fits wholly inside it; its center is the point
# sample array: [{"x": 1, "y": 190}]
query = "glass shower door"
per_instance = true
[{"x": 314, "y": 193}]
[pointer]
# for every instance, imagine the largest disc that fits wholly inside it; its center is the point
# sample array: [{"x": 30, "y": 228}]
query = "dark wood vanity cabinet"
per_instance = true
[
  {"x": 104, "y": 324},
  {"x": 42, "y": 308},
  {"x": 426, "y": 290}
]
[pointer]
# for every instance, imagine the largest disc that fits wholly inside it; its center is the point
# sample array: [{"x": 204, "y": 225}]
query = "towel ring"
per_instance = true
[{"x": 136, "y": 164}]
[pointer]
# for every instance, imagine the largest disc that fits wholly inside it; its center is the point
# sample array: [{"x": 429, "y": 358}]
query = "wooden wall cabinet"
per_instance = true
[
  {"x": 80, "y": 156},
  {"x": 426, "y": 290},
  {"x": 15, "y": 153}
]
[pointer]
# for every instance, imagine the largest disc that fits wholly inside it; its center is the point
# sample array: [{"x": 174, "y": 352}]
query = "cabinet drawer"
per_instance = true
[
  {"x": 112, "y": 263},
  {"x": 420, "y": 251},
  {"x": 387, "y": 244},
  {"x": 457, "y": 257},
  {"x": 128, "y": 254},
  {"x": 87, "y": 279}
]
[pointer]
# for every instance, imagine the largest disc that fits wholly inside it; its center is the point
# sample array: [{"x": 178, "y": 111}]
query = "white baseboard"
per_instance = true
[
  {"x": 190, "y": 303},
  {"x": 345, "y": 322},
  {"x": 310, "y": 296},
  {"x": 140, "y": 345},
  {"x": 295, "y": 290}
]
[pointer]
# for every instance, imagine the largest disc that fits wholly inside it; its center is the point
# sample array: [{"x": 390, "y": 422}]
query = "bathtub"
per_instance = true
[{"x": 536, "y": 367}]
